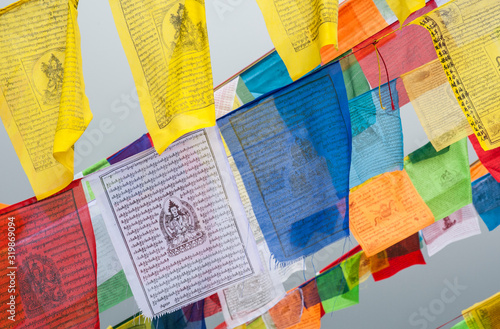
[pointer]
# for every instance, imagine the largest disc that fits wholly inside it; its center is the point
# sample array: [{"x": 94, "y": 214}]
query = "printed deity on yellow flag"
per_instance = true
[
  {"x": 299, "y": 29},
  {"x": 166, "y": 44},
  {"x": 466, "y": 37},
  {"x": 42, "y": 100}
]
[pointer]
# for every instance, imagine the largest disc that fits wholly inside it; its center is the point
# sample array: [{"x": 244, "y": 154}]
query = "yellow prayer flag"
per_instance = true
[
  {"x": 139, "y": 322},
  {"x": 299, "y": 29},
  {"x": 42, "y": 100},
  {"x": 404, "y": 8},
  {"x": 469, "y": 51},
  {"x": 484, "y": 315},
  {"x": 166, "y": 44}
]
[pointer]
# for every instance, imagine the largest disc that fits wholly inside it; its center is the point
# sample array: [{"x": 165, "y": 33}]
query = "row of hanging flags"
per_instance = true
[{"x": 213, "y": 216}]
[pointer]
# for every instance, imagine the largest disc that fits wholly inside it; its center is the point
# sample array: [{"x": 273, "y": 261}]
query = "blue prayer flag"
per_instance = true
[
  {"x": 377, "y": 136},
  {"x": 292, "y": 148},
  {"x": 486, "y": 199}
]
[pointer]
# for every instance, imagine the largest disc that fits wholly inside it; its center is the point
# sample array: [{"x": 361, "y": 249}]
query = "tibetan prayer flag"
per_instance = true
[
  {"x": 139, "y": 322},
  {"x": 486, "y": 196},
  {"x": 489, "y": 159},
  {"x": 113, "y": 291},
  {"x": 437, "y": 108},
  {"x": 334, "y": 291},
  {"x": 43, "y": 104},
  {"x": 403, "y": 8},
  {"x": 469, "y": 49},
  {"x": 399, "y": 51},
  {"x": 179, "y": 218},
  {"x": 358, "y": 20},
  {"x": 299, "y": 30},
  {"x": 484, "y": 315},
  {"x": 461, "y": 325},
  {"x": 288, "y": 311},
  {"x": 53, "y": 261},
  {"x": 460, "y": 225},
  {"x": 377, "y": 138},
  {"x": 385, "y": 211},
  {"x": 310, "y": 294},
  {"x": 400, "y": 256},
  {"x": 166, "y": 43},
  {"x": 441, "y": 178},
  {"x": 292, "y": 148},
  {"x": 266, "y": 75}
]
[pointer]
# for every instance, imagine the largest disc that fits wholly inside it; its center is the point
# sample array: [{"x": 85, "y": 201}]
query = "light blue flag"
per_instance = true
[
  {"x": 267, "y": 75},
  {"x": 377, "y": 136},
  {"x": 292, "y": 148},
  {"x": 486, "y": 199}
]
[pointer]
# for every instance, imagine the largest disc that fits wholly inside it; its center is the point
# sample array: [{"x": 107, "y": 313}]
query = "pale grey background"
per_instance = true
[{"x": 238, "y": 36}]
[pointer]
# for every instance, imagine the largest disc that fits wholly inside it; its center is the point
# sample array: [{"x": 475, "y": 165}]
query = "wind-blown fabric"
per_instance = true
[
  {"x": 377, "y": 138},
  {"x": 292, "y": 148},
  {"x": 486, "y": 198},
  {"x": 54, "y": 262},
  {"x": 441, "y": 178}
]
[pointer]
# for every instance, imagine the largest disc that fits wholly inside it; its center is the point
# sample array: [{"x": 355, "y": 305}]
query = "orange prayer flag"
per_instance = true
[
  {"x": 386, "y": 211},
  {"x": 3, "y": 205},
  {"x": 358, "y": 20},
  {"x": 477, "y": 170}
]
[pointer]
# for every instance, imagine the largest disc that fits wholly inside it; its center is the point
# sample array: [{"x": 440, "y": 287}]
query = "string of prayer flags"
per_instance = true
[
  {"x": 386, "y": 210},
  {"x": 43, "y": 104},
  {"x": 404, "y": 8},
  {"x": 250, "y": 298},
  {"x": 299, "y": 30},
  {"x": 141, "y": 144},
  {"x": 441, "y": 178},
  {"x": 490, "y": 159},
  {"x": 467, "y": 48},
  {"x": 486, "y": 198},
  {"x": 166, "y": 44},
  {"x": 358, "y": 20},
  {"x": 292, "y": 148},
  {"x": 377, "y": 136},
  {"x": 354, "y": 78},
  {"x": 437, "y": 108},
  {"x": 225, "y": 97},
  {"x": 396, "y": 52},
  {"x": 267, "y": 75},
  {"x": 400, "y": 256},
  {"x": 460, "y": 225},
  {"x": 477, "y": 170},
  {"x": 484, "y": 315},
  {"x": 53, "y": 290},
  {"x": 180, "y": 220}
]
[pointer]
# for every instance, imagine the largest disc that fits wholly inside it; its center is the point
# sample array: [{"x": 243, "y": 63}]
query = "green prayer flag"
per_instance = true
[
  {"x": 441, "y": 178},
  {"x": 460, "y": 325},
  {"x": 95, "y": 167},
  {"x": 355, "y": 81},
  {"x": 113, "y": 291},
  {"x": 243, "y": 93}
]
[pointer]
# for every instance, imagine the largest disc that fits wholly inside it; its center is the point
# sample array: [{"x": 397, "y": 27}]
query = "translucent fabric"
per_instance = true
[
  {"x": 486, "y": 196},
  {"x": 141, "y": 144},
  {"x": 292, "y": 148},
  {"x": 460, "y": 225},
  {"x": 400, "y": 50},
  {"x": 441, "y": 178},
  {"x": 432, "y": 98},
  {"x": 54, "y": 266},
  {"x": 386, "y": 210},
  {"x": 468, "y": 49},
  {"x": 400, "y": 256},
  {"x": 266, "y": 75},
  {"x": 377, "y": 137}
]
